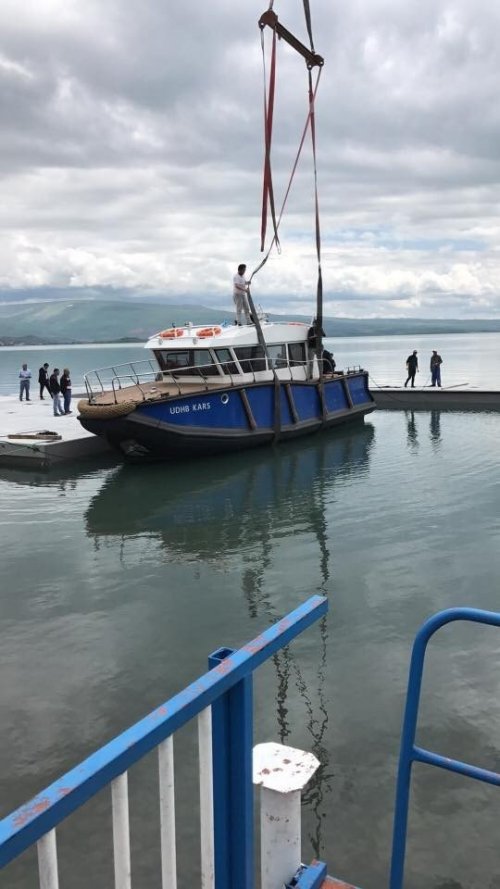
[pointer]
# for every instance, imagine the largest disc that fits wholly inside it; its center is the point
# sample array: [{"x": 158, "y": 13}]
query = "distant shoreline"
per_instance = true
[
  {"x": 339, "y": 329},
  {"x": 26, "y": 342}
]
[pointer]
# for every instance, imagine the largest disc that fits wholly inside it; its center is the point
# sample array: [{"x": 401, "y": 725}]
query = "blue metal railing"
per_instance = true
[
  {"x": 409, "y": 752},
  {"x": 227, "y": 687}
]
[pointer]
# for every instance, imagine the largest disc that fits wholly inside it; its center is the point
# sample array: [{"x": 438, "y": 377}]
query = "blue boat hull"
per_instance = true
[{"x": 234, "y": 418}]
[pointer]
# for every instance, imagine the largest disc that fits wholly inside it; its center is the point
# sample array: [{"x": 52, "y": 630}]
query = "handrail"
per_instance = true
[
  {"x": 31, "y": 822},
  {"x": 409, "y": 752},
  {"x": 135, "y": 373}
]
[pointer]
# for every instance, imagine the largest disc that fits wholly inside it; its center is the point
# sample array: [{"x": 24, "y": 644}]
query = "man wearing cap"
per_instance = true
[
  {"x": 412, "y": 367},
  {"x": 436, "y": 362}
]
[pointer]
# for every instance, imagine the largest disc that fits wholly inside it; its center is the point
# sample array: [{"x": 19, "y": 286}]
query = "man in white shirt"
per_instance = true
[
  {"x": 24, "y": 382},
  {"x": 240, "y": 290}
]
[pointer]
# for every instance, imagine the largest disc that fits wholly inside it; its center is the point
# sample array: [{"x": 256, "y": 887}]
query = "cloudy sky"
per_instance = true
[{"x": 132, "y": 147}]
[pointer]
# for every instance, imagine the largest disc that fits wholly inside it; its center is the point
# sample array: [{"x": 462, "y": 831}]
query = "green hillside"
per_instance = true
[
  {"x": 105, "y": 321},
  {"x": 66, "y": 321}
]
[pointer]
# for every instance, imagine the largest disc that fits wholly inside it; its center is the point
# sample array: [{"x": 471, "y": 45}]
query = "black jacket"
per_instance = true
[
  {"x": 312, "y": 336},
  {"x": 43, "y": 376},
  {"x": 65, "y": 383},
  {"x": 54, "y": 385}
]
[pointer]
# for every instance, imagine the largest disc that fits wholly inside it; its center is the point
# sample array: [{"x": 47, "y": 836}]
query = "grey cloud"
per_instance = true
[{"x": 132, "y": 147}]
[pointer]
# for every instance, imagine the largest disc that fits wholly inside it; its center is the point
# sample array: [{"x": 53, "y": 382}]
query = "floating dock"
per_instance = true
[
  {"x": 459, "y": 398},
  {"x": 31, "y": 436}
]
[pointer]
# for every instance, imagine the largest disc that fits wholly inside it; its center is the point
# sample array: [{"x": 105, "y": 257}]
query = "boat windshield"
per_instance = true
[{"x": 189, "y": 361}]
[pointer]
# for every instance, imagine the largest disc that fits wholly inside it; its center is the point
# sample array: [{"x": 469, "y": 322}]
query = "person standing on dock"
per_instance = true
[
  {"x": 43, "y": 379},
  {"x": 240, "y": 290},
  {"x": 65, "y": 384},
  {"x": 436, "y": 362},
  {"x": 55, "y": 391},
  {"x": 412, "y": 368},
  {"x": 24, "y": 382}
]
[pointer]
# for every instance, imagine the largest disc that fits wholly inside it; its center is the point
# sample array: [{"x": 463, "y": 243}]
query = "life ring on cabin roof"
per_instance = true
[
  {"x": 209, "y": 331},
  {"x": 172, "y": 333}
]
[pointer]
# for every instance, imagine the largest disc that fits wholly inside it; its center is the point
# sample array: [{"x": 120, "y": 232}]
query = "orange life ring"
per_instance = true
[
  {"x": 209, "y": 331},
  {"x": 172, "y": 333}
]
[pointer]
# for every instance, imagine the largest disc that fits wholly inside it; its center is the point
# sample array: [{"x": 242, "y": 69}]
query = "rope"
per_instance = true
[
  {"x": 319, "y": 288},
  {"x": 307, "y": 13},
  {"x": 292, "y": 175},
  {"x": 267, "y": 190}
]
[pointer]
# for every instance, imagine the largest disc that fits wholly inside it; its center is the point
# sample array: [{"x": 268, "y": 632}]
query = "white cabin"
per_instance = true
[{"x": 226, "y": 350}]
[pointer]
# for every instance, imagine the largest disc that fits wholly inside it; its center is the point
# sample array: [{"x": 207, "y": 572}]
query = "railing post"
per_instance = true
[
  {"x": 233, "y": 791},
  {"x": 282, "y": 773},
  {"x": 206, "y": 798},
  {"x": 47, "y": 861},
  {"x": 167, "y": 813},
  {"x": 121, "y": 831}
]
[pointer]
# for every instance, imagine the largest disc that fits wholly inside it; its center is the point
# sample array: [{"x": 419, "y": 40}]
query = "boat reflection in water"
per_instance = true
[
  {"x": 247, "y": 504},
  {"x": 220, "y": 501}
]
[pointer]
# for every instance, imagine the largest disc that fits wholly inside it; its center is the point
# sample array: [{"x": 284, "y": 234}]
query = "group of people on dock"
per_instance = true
[
  {"x": 435, "y": 368},
  {"x": 58, "y": 386}
]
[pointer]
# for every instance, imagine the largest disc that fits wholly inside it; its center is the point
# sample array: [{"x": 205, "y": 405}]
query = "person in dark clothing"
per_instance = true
[
  {"x": 55, "y": 391},
  {"x": 312, "y": 342},
  {"x": 43, "y": 379},
  {"x": 436, "y": 362},
  {"x": 329, "y": 363},
  {"x": 312, "y": 336},
  {"x": 65, "y": 384},
  {"x": 412, "y": 367}
]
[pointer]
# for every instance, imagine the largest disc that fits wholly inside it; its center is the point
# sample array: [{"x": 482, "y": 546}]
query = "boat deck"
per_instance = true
[{"x": 154, "y": 390}]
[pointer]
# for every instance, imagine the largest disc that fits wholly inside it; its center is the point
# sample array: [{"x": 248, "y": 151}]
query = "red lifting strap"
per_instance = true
[{"x": 267, "y": 191}]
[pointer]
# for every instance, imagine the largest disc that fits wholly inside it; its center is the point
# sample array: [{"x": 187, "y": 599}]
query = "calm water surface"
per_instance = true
[
  {"x": 118, "y": 581},
  {"x": 471, "y": 359}
]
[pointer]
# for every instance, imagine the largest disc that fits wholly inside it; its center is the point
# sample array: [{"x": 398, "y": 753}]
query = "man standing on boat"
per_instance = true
[
  {"x": 240, "y": 290},
  {"x": 436, "y": 362},
  {"x": 411, "y": 367}
]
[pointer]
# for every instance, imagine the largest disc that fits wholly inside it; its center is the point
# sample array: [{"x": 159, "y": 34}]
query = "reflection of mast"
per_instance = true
[
  {"x": 320, "y": 783},
  {"x": 285, "y": 661}
]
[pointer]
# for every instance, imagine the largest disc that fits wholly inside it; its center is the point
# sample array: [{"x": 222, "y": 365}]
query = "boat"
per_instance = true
[
  {"x": 219, "y": 393},
  {"x": 225, "y": 387}
]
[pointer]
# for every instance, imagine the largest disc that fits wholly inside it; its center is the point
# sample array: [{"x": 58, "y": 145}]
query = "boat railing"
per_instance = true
[
  {"x": 109, "y": 378},
  {"x": 141, "y": 374},
  {"x": 410, "y": 752},
  {"x": 221, "y": 701}
]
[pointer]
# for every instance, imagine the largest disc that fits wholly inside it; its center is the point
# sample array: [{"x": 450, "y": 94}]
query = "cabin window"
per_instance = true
[
  {"x": 226, "y": 361},
  {"x": 198, "y": 362},
  {"x": 297, "y": 353},
  {"x": 251, "y": 358},
  {"x": 277, "y": 355}
]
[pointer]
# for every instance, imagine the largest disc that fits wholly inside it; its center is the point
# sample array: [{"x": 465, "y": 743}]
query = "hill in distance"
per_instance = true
[{"x": 87, "y": 320}]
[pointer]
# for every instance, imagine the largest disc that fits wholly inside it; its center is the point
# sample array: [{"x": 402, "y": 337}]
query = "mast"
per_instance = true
[{"x": 313, "y": 60}]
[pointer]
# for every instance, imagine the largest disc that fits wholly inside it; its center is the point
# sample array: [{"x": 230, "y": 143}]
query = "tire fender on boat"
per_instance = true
[{"x": 104, "y": 411}]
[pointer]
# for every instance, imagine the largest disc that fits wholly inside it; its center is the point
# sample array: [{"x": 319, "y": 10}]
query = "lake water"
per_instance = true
[
  {"x": 471, "y": 359},
  {"x": 118, "y": 581}
]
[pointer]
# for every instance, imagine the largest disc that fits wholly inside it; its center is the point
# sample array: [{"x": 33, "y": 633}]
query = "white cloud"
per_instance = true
[{"x": 131, "y": 152}]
